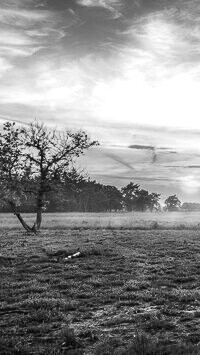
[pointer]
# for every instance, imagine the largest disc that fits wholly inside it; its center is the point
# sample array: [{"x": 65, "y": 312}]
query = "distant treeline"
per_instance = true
[
  {"x": 85, "y": 195},
  {"x": 190, "y": 206}
]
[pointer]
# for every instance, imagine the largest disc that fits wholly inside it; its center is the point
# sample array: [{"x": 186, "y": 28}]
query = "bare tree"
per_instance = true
[{"x": 34, "y": 160}]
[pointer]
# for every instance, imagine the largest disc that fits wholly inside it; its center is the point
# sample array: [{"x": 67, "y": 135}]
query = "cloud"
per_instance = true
[
  {"x": 139, "y": 146},
  {"x": 193, "y": 167},
  {"x": 127, "y": 71},
  {"x": 25, "y": 29},
  {"x": 111, "y": 5},
  {"x": 184, "y": 166},
  {"x": 145, "y": 147},
  {"x": 4, "y": 66},
  {"x": 21, "y": 17},
  {"x": 140, "y": 178}
]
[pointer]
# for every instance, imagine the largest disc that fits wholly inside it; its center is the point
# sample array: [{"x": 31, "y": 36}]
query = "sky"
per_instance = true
[{"x": 127, "y": 71}]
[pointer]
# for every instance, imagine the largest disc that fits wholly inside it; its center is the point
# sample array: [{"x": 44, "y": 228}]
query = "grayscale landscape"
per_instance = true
[{"x": 99, "y": 177}]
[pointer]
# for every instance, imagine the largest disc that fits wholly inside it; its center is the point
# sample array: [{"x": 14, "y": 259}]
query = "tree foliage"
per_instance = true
[
  {"x": 136, "y": 199},
  {"x": 129, "y": 194},
  {"x": 172, "y": 203}
]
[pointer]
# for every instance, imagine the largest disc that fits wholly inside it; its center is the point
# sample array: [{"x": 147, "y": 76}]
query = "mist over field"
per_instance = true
[{"x": 119, "y": 220}]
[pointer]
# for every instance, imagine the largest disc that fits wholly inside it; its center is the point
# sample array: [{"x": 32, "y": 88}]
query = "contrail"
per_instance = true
[
  {"x": 118, "y": 160},
  {"x": 154, "y": 157},
  {"x": 145, "y": 147}
]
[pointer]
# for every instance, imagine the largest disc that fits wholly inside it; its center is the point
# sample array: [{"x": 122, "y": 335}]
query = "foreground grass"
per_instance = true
[
  {"x": 130, "y": 292},
  {"x": 121, "y": 220}
]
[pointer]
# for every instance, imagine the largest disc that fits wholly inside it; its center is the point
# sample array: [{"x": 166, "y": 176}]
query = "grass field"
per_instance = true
[
  {"x": 132, "y": 220},
  {"x": 130, "y": 292}
]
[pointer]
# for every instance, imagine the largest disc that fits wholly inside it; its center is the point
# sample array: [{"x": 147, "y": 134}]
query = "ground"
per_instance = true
[{"x": 128, "y": 290}]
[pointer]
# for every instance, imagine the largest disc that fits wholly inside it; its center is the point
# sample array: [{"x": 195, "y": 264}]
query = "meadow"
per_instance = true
[
  {"x": 130, "y": 291},
  {"x": 121, "y": 220}
]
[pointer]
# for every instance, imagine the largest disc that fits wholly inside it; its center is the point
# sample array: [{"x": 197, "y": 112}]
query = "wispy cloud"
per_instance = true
[
  {"x": 26, "y": 29},
  {"x": 112, "y": 5},
  {"x": 184, "y": 166}
]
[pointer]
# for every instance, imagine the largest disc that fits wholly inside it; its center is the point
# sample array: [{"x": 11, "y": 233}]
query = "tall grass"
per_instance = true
[{"x": 122, "y": 220}]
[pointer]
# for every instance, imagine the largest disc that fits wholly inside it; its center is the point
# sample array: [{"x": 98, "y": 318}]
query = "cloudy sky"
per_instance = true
[{"x": 127, "y": 71}]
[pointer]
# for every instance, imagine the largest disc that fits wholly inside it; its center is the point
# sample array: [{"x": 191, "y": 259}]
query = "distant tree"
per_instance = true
[
  {"x": 90, "y": 196},
  {"x": 113, "y": 198},
  {"x": 95, "y": 197},
  {"x": 136, "y": 199},
  {"x": 35, "y": 160},
  {"x": 185, "y": 206},
  {"x": 142, "y": 200},
  {"x": 153, "y": 203},
  {"x": 147, "y": 201},
  {"x": 84, "y": 195},
  {"x": 130, "y": 193},
  {"x": 172, "y": 203},
  {"x": 64, "y": 199},
  {"x": 191, "y": 206}
]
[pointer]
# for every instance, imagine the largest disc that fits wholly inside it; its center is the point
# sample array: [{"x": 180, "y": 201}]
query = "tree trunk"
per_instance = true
[
  {"x": 39, "y": 218},
  {"x": 24, "y": 224},
  {"x": 20, "y": 218},
  {"x": 39, "y": 209}
]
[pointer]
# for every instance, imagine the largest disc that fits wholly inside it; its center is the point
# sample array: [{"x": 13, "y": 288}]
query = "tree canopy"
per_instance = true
[
  {"x": 136, "y": 199},
  {"x": 35, "y": 160},
  {"x": 172, "y": 203}
]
